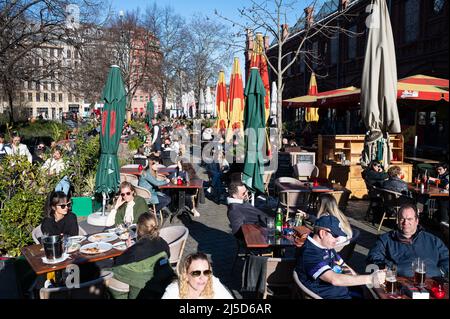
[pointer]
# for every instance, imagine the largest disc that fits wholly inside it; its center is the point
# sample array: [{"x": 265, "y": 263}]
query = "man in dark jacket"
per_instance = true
[
  {"x": 395, "y": 182},
  {"x": 410, "y": 241},
  {"x": 240, "y": 212}
]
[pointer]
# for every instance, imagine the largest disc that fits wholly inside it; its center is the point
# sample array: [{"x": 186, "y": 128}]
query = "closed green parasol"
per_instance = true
[
  {"x": 254, "y": 124},
  {"x": 150, "y": 112},
  {"x": 114, "y": 95}
]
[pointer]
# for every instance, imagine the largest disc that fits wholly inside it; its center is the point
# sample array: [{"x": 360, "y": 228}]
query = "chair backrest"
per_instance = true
[
  {"x": 341, "y": 197},
  {"x": 304, "y": 171},
  {"x": 142, "y": 192},
  {"x": 176, "y": 237},
  {"x": 346, "y": 252},
  {"x": 36, "y": 233},
  {"x": 94, "y": 289},
  {"x": 289, "y": 180},
  {"x": 132, "y": 179},
  {"x": 294, "y": 199},
  {"x": 278, "y": 273},
  {"x": 307, "y": 294}
]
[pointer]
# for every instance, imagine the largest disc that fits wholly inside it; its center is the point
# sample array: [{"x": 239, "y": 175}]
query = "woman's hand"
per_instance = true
[{"x": 119, "y": 202}]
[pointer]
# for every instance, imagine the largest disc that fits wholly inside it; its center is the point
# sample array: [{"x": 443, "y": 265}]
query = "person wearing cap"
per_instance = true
[
  {"x": 322, "y": 270},
  {"x": 19, "y": 148},
  {"x": 5, "y": 149},
  {"x": 410, "y": 241}
]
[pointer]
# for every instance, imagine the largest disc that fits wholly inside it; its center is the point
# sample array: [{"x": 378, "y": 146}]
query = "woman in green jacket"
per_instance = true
[{"x": 128, "y": 206}]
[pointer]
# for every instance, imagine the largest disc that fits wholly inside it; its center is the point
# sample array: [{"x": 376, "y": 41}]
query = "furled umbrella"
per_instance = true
[
  {"x": 312, "y": 113},
  {"x": 150, "y": 112},
  {"x": 254, "y": 124},
  {"x": 235, "y": 102},
  {"x": 209, "y": 109},
  {"x": 221, "y": 104},
  {"x": 114, "y": 95},
  {"x": 273, "y": 104},
  {"x": 201, "y": 103},
  {"x": 379, "y": 87}
]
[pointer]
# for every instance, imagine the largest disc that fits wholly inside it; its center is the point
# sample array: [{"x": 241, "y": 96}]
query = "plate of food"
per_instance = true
[
  {"x": 102, "y": 237},
  {"x": 77, "y": 239},
  {"x": 73, "y": 247},
  {"x": 121, "y": 245},
  {"x": 95, "y": 248}
]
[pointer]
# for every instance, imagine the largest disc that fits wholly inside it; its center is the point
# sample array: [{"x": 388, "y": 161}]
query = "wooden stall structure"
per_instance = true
[{"x": 338, "y": 159}]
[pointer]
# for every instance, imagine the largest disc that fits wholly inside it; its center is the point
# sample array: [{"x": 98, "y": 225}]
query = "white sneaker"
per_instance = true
[{"x": 196, "y": 213}]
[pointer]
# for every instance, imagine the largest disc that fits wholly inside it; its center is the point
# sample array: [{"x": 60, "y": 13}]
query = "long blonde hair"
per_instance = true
[
  {"x": 183, "y": 269},
  {"x": 329, "y": 206}
]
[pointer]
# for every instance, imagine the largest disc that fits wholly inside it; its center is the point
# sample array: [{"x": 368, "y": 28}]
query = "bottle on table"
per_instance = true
[{"x": 279, "y": 222}]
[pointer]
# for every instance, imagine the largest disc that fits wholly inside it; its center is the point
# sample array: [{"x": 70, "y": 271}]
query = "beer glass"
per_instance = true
[
  {"x": 391, "y": 281},
  {"x": 270, "y": 230},
  {"x": 53, "y": 247},
  {"x": 419, "y": 271}
]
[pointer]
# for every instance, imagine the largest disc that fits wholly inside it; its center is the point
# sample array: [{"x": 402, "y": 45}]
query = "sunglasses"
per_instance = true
[
  {"x": 197, "y": 273},
  {"x": 63, "y": 206},
  {"x": 127, "y": 193},
  {"x": 334, "y": 236}
]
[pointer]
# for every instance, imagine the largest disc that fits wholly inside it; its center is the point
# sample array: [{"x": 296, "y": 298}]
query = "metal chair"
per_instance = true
[
  {"x": 292, "y": 200},
  {"x": 94, "y": 289},
  {"x": 391, "y": 204},
  {"x": 132, "y": 179},
  {"x": 305, "y": 171},
  {"x": 36, "y": 233},
  {"x": 305, "y": 292}
]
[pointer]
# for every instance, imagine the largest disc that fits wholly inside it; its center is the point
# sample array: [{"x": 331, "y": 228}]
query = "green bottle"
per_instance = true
[{"x": 279, "y": 222}]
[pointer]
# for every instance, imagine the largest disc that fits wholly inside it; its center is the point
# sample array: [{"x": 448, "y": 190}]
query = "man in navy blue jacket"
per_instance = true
[{"x": 409, "y": 241}]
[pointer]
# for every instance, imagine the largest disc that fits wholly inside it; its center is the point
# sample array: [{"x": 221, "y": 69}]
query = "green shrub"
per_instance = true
[{"x": 134, "y": 143}]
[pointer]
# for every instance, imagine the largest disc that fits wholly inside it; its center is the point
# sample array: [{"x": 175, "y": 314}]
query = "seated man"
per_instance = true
[
  {"x": 240, "y": 212},
  {"x": 322, "y": 270},
  {"x": 374, "y": 174},
  {"x": 395, "y": 182},
  {"x": 409, "y": 241}
]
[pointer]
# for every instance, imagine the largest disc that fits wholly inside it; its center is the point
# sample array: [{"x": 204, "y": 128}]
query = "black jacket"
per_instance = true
[
  {"x": 143, "y": 249},
  {"x": 239, "y": 214},
  {"x": 373, "y": 178},
  {"x": 67, "y": 226},
  {"x": 396, "y": 184}
]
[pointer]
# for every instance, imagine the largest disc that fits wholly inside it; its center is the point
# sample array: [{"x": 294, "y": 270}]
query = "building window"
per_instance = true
[
  {"x": 53, "y": 86},
  {"x": 30, "y": 85},
  {"x": 60, "y": 97},
  {"x": 42, "y": 110},
  {"x": 36, "y": 61},
  {"x": 53, "y": 97},
  {"x": 45, "y": 97},
  {"x": 412, "y": 11},
  {"x": 70, "y": 97},
  {"x": 141, "y": 98},
  {"x": 45, "y": 86},
  {"x": 69, "y": 54},
  {"x": 52, "y": 53},
  {"x": 38, "y": 86},
  {"x": 135, "y": 98},
  {"x": 438, "y": 6},
  {"x": 38, "y": 97},
  {"x": 334, "y": 50},
  {"x": 351, "y": 53},
  {"x": 22, "y": 96},
  {"x": 77, "y": 99},
  {"x": 30, "y": 97}
]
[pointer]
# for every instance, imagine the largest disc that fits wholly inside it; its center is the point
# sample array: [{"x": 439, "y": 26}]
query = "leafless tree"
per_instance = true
[
  {"x": 29, "y": 31},
  {"x": 270, "y": 17}
]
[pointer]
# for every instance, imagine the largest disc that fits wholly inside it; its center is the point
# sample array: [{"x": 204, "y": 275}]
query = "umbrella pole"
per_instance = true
[{"x": 104, "y": 203}]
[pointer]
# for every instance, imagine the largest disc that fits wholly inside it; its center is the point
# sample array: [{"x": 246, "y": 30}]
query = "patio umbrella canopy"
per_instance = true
[
  {"x": 379, "y": 87},
  {"x": 312, "y": 113},
  {"x": 254, "y": 121},
  {"x": 114, "y": 95},
  {"x": 208, "y": 102},
  {"x": 201, "y": 103},
  {"x": 273, "y": 104},
  {"x": 235, "y": 102},
  {"x": 221, "y": 103}
]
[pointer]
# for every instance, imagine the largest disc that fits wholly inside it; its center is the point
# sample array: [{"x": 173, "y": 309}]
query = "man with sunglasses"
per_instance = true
[{"x": 322, "y": 270}]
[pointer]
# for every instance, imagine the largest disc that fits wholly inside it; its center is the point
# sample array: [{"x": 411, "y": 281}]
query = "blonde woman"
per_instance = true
[
  {"x": 329, "y": 206},
  {"x": 196, "y": 281}
]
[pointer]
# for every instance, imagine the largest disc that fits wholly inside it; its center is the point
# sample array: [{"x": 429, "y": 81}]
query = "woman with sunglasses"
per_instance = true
[
  {"x": 196, "y": 281},
  {"x": 374, "y": 175},
  {"x": 58, "y": 217},
  {"x": 128, "y": 206}
]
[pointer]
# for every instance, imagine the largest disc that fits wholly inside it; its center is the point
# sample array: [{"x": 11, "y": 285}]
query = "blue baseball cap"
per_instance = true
[{"x": 332, "y": 223}]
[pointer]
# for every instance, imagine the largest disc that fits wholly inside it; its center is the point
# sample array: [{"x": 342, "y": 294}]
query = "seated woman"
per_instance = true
[
  {"x": 55, "y": 164},
  {"x": 395, "y": 182},
  {"x": 58, "y": 219},
  {"x": 144, "y": 267},
  {"x": 128, "y": 206},
  {"x": 149, "y": 180},
  {"x": 374, "y": 175},
  {"x": 186, "y": 172},
  {"x": 329, "y": 206},
  {"x": 196, "y": 281}
]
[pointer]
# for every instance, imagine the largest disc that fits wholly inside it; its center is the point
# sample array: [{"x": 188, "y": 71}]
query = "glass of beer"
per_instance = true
[
  {"x": 391, "y": 280},
  {"x": 419, "y": 270}
]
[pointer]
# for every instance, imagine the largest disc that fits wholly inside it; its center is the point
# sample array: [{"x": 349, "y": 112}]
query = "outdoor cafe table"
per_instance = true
[
  {"x": 323, "y": 187},
  {"x": 402, "y": 282},
  {"x": 181, "y": 190},
  {"x": 34, "y": 253},
  {"x": 135, "y": 170},
  {"x": 416, "y": 160},
  {"x": 255, "y": 236},
  {"x": 432, "y": 191}
]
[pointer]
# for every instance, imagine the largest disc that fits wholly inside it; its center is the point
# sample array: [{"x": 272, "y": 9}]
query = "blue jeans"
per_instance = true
[{"x": 63, "y": 185}]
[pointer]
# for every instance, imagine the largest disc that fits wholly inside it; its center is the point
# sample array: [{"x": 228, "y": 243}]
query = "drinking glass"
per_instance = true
[
  {"x": 391, "y": 285},
  {"x": 270, "y": 230},
  {"x": 419, "y": 271}
]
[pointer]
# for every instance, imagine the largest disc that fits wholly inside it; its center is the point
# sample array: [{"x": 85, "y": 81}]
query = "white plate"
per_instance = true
[
  {"x": 51, "y": 262},
  {"x": 121, "y": 245},
  {"x": 95, "y": 248},
  {"x": 73, "y": 247},
  {"x": 77, "y": 239},
  {"x": 102, "y": 237}
]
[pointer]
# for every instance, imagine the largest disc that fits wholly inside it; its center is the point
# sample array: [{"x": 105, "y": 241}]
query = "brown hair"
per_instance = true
[
  {"x": 147, "y": 226},
  {"x": 394, "y": 171},
  {"x": 127, "y": 185}
]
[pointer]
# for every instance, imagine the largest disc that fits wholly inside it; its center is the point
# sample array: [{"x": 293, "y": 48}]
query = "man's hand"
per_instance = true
[{"x": 378, "y": 278}]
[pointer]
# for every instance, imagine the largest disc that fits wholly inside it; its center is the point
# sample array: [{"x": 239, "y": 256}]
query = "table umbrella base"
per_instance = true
[{"x": 96, "y": 219}]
